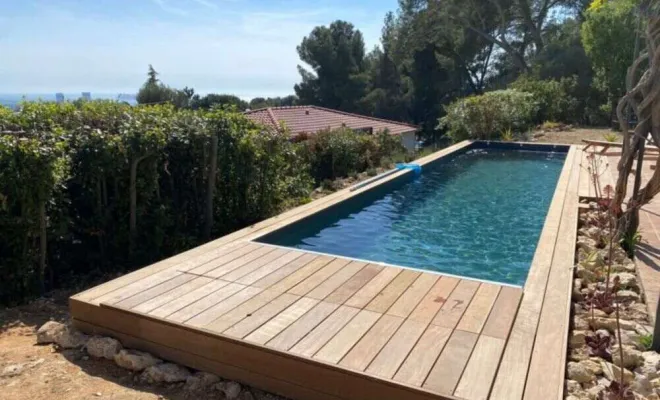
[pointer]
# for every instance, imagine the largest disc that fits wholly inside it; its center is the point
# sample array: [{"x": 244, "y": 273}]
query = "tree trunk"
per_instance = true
[
  {"x": 132, "y": 225},
  {"x": 210, "y": 187},
  {"x": 43, "y": 246}
]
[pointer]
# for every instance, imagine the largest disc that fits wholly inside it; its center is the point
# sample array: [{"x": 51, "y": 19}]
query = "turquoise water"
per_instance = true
[{"x": 478, "y": 214}]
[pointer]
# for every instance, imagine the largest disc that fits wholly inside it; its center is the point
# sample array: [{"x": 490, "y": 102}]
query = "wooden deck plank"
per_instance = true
[
  {"x": 413, "y": 295},
  {"x": 234, "y": 272},
  {"x": 371, "y": 343},
  {"x": 480, "y": 371},
  {"x": 296, "y": 331},
  {"x": 363, "y": 296},
  {"x": 456, "y": 304},
  {"x": 187, "y": 299},
  {"x": 162, "y": 276},
  {"x": 256, "y": 251},
  {"x": 391, "y": 293},
  {"x": 173, "y": 294},
  {"x": 351, "y": 286},
  {"x": 319, "y": 277},
  {"x": 474, "y": 318},
  {"x": 320, "y": 335},
  {"x": 205, "y": 303},
  {"x": 247, "y": 273},
  {"x": 282, "y": 320},
  {"x": 211, "y": 314},
  {"x": 295, "y": 278},
  {"x": 264, "y": 314},
  {"x": 390, "y": 358},
  {"x": 501, "y": 317},
  {"x": 434, "y": 299},
  {"x": 235, "y": 315},
  {"x": 154, "y": 291},
  {"x": 281, "y": 273},
  {"x": 196, "y": 256},
  {"x": 419, "y": 362},
  {"x": 333, "y": 282},
  {"x": 447, "y": 371},
  {"x": 337, "y": 347}
]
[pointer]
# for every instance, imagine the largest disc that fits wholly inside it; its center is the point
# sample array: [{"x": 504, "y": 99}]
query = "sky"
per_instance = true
[{"x": 243, "y": 47}]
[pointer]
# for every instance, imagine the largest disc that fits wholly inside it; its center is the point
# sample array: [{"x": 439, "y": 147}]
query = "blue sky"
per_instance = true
[{"x": 245, "y": 47}]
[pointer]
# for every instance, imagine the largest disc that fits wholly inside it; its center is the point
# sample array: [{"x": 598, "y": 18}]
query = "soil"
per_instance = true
[{"x": 70, "y": 374}]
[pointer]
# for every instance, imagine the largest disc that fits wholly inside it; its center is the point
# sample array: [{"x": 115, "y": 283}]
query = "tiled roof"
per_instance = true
[{"x": 311, "y": 119}]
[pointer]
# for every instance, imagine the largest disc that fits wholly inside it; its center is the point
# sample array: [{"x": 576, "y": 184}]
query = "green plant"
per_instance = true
[
  {"x": 611, "y": 137},
  {"x": 555, "y": 99},
  {"x": 488, "y": 115},
  {"x": 507, "y": 135},
  {"x": 646, "y": 341},
  {"x": 630, "y": 241},
  {"x": 550, "y": 125}
]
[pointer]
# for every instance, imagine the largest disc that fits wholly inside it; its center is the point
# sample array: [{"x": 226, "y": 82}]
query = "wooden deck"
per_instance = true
[{"x": 314, "y": 326}]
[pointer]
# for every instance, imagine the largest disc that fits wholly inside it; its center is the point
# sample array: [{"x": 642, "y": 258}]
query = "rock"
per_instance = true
[
  {"x": 587, "y": 244},
  {"x": 631, "y": 338},
  {"x": 637, "y": 312},
  {"x": 577, "y": 339},
  {"x": 632, "y": 358},
  {"x": 165, "y": 373},
  {"x": 579, "y": 373},
  {"x": 655, "y": 383},
  {"x": 572, "y": 386},
  {"x": 642, "y": 385},
  {"x": 650, "y": 365},
  {"x": 201, "y": 381},
  {"x": 613, "y": 372},
  {"x": 246, "y": 395},
  {"x": 578, "y": 354},
  {"x": 577, "y": 294},
  {"x": 230, "y": 389},
  {"x": 594, "y": 391},
  {"x": 12, "y": 370},
  {"x": 610, "y": 324},
  {"x": 592, "y": 366},
  {"x": 626, "y": 280},
  {"x": 627, "y": 295},
  {"x": 49, "y": 332},
  {"x": 584, "y": 274},
  {"x": 135, "y": 360},
  {"x": 103, "y": 347},
  {"x": 580, "y": 323},
  {"x": 603, "y": 333}
]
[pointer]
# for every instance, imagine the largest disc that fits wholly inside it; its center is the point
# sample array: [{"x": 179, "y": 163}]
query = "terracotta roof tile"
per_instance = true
[{"x": 311, "y": 119}]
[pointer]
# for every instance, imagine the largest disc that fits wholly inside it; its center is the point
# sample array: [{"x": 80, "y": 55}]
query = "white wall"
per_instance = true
[{"x": 409, "y": 140}]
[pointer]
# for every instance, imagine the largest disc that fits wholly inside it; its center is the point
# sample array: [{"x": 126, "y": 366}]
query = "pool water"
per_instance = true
[{"x": 477, "y": 214}]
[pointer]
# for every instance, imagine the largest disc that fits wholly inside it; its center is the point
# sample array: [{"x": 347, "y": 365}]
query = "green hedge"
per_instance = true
[
  {"x": 489, "y": 116},
  {"x": 102, "y": 187},
  {"x": 65, "y": 176},
  {"x": 555, "y": 99}
]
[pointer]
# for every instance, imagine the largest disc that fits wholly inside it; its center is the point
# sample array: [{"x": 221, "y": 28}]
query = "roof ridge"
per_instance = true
[
  {"x": 364, "y": 116},
  {"x": 272, "y": 118}
]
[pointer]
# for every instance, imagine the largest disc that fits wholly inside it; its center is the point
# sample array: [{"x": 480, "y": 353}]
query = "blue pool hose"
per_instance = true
[{"x": 415, "y": 167}]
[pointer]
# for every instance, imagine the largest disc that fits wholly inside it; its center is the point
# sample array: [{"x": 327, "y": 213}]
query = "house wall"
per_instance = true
[{"x": 409, "y": 140}]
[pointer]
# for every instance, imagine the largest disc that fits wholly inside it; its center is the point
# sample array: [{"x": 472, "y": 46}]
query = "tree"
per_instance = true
[
  {"x": 213, "y": 99},
  {"x": 608, "y": 36},
  {"x": 153, "y": 91},
  {"x": 260, "y": 102},
  {"x": 336, "y": 56}
]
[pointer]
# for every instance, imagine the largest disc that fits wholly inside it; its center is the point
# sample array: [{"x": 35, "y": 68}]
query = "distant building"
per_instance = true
[
  {"x": 87, "y": 96},
  {"x": 311, "y": 119},
  {"x": 59, "y": 97}
]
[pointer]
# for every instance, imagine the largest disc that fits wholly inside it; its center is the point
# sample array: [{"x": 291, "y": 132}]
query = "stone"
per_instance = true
[
  {"x": 594, "y": 391},
  {"x": 592, "y": 366},
  {"x": 572, "y": 386},
  {"x": 587, "y": 244},
  {"x": 577, "y": 294},
  {"x": 610, "y": 324},
  {"x": 579, "y": 373},
  {"x": 230, "y": 389},
  {"x": 49, "y": 332},
  {"x": 642, "y": 385},
  {"x": 626, "y": 280},
  {"x": 201, "y": 381},
  {"x": 580, "y": 323},
  {"x": 135, "y": 360},
  {"x": 246, "y": 395},
  {"x": 577, "y": 339},
  {"x": 103, "y": 347},
  {"x": 650, "y": 366},
  {"x": 584, "y": 274},
  {"x": 613, "y": 372},
  {"x": 638, "y": 312},
  {"x": 632, "y": 358},
  {"x": 165, "y": 373},
  {"x": 627, "y": 295},
  {"x": 12, "y": 370}
]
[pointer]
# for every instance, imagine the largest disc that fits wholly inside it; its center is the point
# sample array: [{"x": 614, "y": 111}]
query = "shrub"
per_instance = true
[
  {"x": 554, "y": 98},
  {"x": 116, "y": 186},
  {"x": 488, "y": 115},
  {"x": 341, "y": 152}
]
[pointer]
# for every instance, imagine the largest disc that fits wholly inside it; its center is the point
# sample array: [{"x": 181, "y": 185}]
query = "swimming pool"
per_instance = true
[{"x": 476, "y": 213}]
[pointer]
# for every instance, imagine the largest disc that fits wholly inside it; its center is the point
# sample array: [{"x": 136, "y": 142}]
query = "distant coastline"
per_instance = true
[{"x": 11, "y": 100}]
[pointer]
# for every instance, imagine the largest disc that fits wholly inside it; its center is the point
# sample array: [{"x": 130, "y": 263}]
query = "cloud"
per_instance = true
[
  {"x": 206, "y": 3},
  {"x": 163, "y": 4}
]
